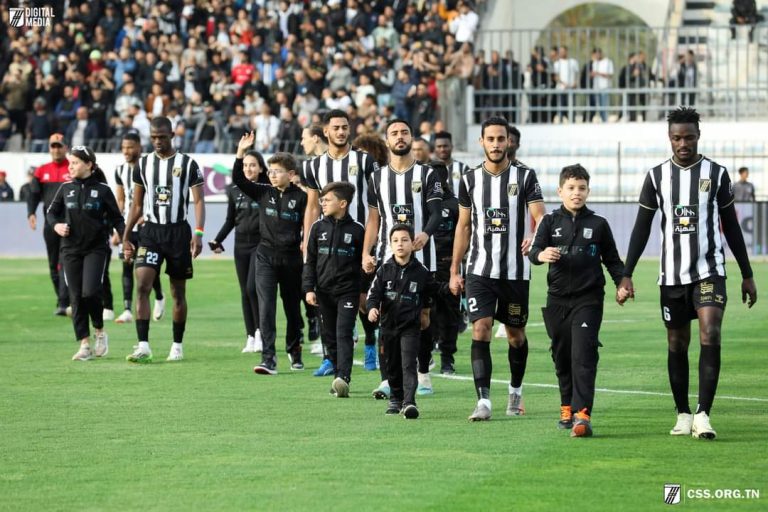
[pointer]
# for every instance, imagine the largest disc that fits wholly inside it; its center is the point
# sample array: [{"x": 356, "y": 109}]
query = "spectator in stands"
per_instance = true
[
  {"x": 66, "y": 109},
  {"x": 126, "y": 98},
  {"x": 422, "y": 105},
  {"x": 6, "y": 191},
  {"x": 602, "y": 75},
  {"x": 209, "y": 131},
  {"x": 157, "y": 103},
  {"x": 25, "y": 191},
  {"x": 339, "y": 76},
  {"x": 39, "y": 126},
  {"x": 401, "y": 90},
  {"x": 688, "y": 78},
  {"x": 266, "y": 126},
  {"x": 743, "y": 190},
  {"x": 587, "y": 82},
  {"x": 385, "y": 34},
  {"x": 465, "y": 24},
  {"x": 81, "y": 130},
  {"x": 538, "y": 69},
  {"x": 744, "y": 12},
  {"x": 289, "y": 132},
  {"x": 566, "y": 70},
  {"x": 15, "y": 88}
]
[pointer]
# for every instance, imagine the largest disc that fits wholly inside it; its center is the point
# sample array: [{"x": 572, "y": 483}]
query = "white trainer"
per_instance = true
[
  {"x": 107, "y": 315},
  {"x": 683, "y": 425},
  {"x": 125, "y": 317},
  {"x": 501, "y": 332},
  {"x": 248, "y": 345},
  {"x": 101, "y": 348},
  {"x": 258, "y": 342},
  {"x": 159, "y": 309},
  {"x": 425, "y": 385},
  {"x": 482, "y": 411},
  {"x": 83, "y": 354},
  {"x": 316, "y": 349},
  {"x": 176, "y": 354},
  {"x": 701, "y": 429}
]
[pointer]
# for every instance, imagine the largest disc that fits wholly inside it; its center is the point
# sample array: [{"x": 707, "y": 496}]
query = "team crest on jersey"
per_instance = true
[
  {"x": 416, "y": 187},
  {"x": 511, "y": 189},
  {"x": 94, "y": 193},
  {"x": 587, "y": 233},
  {"x": 705, "y": 185},
  {"x": 446, "y": 213},
  {"x": 176, "y": 172},
  {"x": 456, "y": 175},
  {"x": 413, "y": 287},
  {"x": 292, "y": 204},
  {"x": 347, "y": 238},
  {"x": 353, "y": 170}
]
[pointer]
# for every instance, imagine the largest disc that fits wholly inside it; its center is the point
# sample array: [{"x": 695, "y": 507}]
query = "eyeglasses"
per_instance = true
[{"x": 275, "y": 172}]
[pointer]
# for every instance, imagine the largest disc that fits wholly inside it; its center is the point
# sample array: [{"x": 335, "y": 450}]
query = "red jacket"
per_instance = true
[{"x": 48, "y": 178}]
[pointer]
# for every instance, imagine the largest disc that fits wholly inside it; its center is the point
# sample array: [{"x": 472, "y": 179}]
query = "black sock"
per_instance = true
[
  {"x": 178, "y": 331},
  {"x": 142, "y": 329},
  {"x": 709, "y": 373},
  {"x": 482, "y": 367},
  {"x": 370, "y": 330},
  {"x": 677, "y": 367},
  {"x": 127, "y": 304},
  {"x": 518, "y": 358}
]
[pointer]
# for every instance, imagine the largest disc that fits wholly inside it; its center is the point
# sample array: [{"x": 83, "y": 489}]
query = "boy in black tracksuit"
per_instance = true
[
  {"x": 574, "y": 241},
  {"x": 278, "y": 257},
  {"x": 331, "y": 277},
  {"x": 400, "y": 296}
]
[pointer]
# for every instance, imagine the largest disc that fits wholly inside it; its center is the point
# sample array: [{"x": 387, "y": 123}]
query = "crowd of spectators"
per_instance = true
[{"x": 222, "y": 67}]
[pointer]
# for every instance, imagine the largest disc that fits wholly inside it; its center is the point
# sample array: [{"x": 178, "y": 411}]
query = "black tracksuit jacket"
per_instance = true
[
  {"x": 334, "y": 257},
  {"x": 400, "y": 293}
]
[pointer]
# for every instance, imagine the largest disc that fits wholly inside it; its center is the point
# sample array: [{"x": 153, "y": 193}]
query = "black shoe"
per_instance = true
[
  {"x": 411, "y": 412},
  {"x": 314, "y": 329},
  {"x": 296, "y": 363},
  {"x": 60, "y": 311},
  {"x": 394, "y": 408},
  {"x": 447, "y": 369},
  {"x": 267, "y": 367}
]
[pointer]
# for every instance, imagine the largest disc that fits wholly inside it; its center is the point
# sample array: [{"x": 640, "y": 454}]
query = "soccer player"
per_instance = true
[
  {"x": 45, "y": 183},
  {"x": 131, "y": 149},
  {"x": 495, "y": 201},
  {"x": 243, "y": 216},
  {"x": 278, "y": 256},
  {"x": 331, "y": 278},
  {"x": 400, "y": 297},
  {"x": 342, "y": 162},
  {"x": 444, "y": 153},
  {"x": 163, "y": 182},
  {"x": 695, "y": 197},
  {"x": 575, "y": 242},
  {"x": 83, "y": 213},
  {"x": 410, "y": 193}
]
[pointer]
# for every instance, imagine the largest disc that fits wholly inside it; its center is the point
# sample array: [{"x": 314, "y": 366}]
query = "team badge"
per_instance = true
[
  {"x": 705, "y": 185},
  {"x": 456, "y": 175},
  {"x": 347, "y": 238},
  {"x": 511, "y": 189},
  {"x": 514, "y": 309},
  {"x": 413, "y": 287},
  {"x": 94, "y": 193},
  {"x": 176, "y": 172},
  {"x": 292, "y": 204},
  {"x": 446, "y": 213},
  {"x": 416, "y": 187},
  {"x": 587, "y": 233},
  {"x": 353, "y": 170},
  {"x": 707, "y": 288}
]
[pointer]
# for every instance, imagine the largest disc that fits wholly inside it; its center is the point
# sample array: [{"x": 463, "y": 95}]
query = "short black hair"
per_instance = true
[
  {"x": 332, "y": 114},
  {"x": 396, "y": 121},
  {"x": 494, "y": 121},
  {"x": 132, "y": 136},
  {"x": 343, "y": 190},
  {"x": 684, "y": 115},
  {"x": 575, "y": 171},
  {"x": 161, "y": 123},
  {"x": 401, "y": 227},
  {"x": 514, "y": 131},
  {"x": 444, "y": 135}
]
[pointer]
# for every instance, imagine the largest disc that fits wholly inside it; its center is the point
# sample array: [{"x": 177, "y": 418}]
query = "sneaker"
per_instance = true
[
  {"x": 482, "y": 411},
  {"x": 515, "y": 406},
  {"x": 581, "y": 426},
  {"x": 683, "y": 425},
  {"x": 107, "y": 315},
  {"x": 410, "y": 412},
  {"x": 447, "y": 369},
  {"x": 425, "y": 385},
  {"x": 68, "y": 311},
  {"x": 60, "y": 311},
  {"x": 340, "y": 387},
  {"x": 83, "y": 354},
  {"x": 393, "y": 408},
  {"x": 326, "y": 368},
  {"x": 102, "y": 345},
  {"x": 701, "y": 429},
  {"x": 159, "y": 310},
  {"x": 176, "y": 353},
  {"x": 314, "y": 328},
  {"x": 267, "y": 367},
  {"x": 566, "y": 417},
  {"x": 370, "y": 358},
  {"x": 249, "y": 342},
  {"x": 501, "y": 332},
  {"x": 258, "y": 342},
  {"x": 296, "y": 362},
  {"x": 381, "y": 392},
  {"x": 125, "y": 317},
  {"x": 140, "y": 356},
  {"x": 316, "y": 349}
]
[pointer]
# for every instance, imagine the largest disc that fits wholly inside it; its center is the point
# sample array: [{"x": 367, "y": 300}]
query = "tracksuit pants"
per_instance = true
[
  {"x": 400, "y": 349},
  {"x": 53, "y": 248},
  {"x": 339, "y": 315},
  {"x": 84, "y": 274},
  {"x": 245, "y": 266},
  {"x": 271, "y": 272}
]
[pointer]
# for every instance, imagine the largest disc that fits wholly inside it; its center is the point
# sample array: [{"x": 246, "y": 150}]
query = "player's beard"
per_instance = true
[
  {"x": 503, "y": 156},
  {"x": 337, "y": 145},
  {"x": 402, "y": 152}
]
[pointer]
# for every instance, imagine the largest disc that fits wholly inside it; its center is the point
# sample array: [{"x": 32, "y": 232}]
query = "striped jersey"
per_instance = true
[
  {"x": 455, "y": 171},
  {"x": 689, "y": 200},
  {"x": 167, "y": 183},
  {"x": 401, "y": 198},
  {"x": 355, "y": 167},
  {"x": 499, "y": 218},
  {"x": 124, "y": 178}
]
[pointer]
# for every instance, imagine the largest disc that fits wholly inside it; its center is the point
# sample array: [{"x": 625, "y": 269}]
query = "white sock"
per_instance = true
[
  {"x": 176, "y": 346},
  {"x": 517, "y": 391},
  {"x": 144, "y": 346},
  {"x": 384, "y": 383},
  {"x": 486, "y": 402}
]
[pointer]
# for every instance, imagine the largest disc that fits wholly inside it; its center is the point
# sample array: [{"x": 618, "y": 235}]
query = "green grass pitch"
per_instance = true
[{"x": 208, "y": 434}]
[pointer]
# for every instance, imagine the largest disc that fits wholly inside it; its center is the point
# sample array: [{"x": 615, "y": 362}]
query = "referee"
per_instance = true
[
  {"x": 163, "y": 183},
  {"x": 695, "y": 197},
  {"x": 495, "y": 200}
]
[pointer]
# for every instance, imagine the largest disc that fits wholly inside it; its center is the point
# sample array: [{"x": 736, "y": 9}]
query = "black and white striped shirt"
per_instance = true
[
  {"x": 167, "y": 183},
  {"x": 499, "y": 219},
  {"x": 455, "y": 171},
  {"x": 355, "y": 167},
  {"x": 401, "y": 198},
  {"x": 124, "y": 178},
  {"x": 689, "y": 199}
]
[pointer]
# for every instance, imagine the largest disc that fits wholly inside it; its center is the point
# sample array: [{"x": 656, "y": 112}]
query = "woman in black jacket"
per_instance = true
[{"x": 84, "y": 212}]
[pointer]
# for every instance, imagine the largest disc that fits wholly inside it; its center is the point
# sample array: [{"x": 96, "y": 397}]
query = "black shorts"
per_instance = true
[
  {"x": 169, "y": 243},
  {"x": 504, "y": 300},
  {"x": 680, "y": 303}
]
